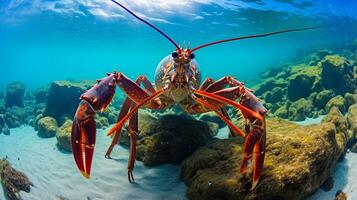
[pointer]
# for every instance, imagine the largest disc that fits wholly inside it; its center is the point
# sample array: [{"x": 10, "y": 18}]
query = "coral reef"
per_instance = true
[
  {"x": 63, "y": 136},
  {"x": 47, "y": 127},
  {"x": 15, "y": 94},
  {"x": 298, "y": 161},
  {"x": 13, "y": 181}
]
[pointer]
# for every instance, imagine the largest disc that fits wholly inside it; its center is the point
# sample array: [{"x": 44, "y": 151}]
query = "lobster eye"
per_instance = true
[
  {"x": 192, "y": 56},
  {"x": 174, "y": 54}
]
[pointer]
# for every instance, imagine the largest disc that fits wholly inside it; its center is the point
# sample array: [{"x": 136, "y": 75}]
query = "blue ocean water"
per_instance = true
[{"x": 46, "y": 40}]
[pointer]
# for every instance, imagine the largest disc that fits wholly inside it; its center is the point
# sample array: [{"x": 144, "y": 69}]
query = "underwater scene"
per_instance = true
[{"x": 176, "y": 100}]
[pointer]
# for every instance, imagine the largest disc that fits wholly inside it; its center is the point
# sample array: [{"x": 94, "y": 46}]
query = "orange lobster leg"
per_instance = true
[
  {"x": 235, "y": 129},
  {"x": 230, "y": 102}
]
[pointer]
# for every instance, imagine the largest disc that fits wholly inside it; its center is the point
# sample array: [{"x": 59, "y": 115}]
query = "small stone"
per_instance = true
[{"x": 340, "y": 195}]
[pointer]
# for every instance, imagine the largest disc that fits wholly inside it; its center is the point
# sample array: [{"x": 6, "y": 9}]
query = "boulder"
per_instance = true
[
  {"x": 169, "y": 139},
  {"x": 300, "y": 86},
  {"x": 300, "y": 109},
  {"x": 337, "y": 101},
  {"x": 13, "y": 181},
  {"x": 336, "y": 117},
  {"x": 298, "y": 160},
  {"x": 15, "y": 94},
  {"x": 63, "y": 99},
  {"x": 47, "y": 127},
  {"x": 354, "y": 148},
  {"x": 15, "y": 116},
  {"x": 274, "y": 96},
  {"x": 41, "y": 95},
  {"x": 282, "y": 112},
  {"x": 337, "y": 73},
  {"x": 63, "y": 136},
  {"x": 322, "y": 98}
]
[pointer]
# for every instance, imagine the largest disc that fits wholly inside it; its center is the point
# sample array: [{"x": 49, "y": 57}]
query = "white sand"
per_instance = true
[{"x": 55, "y": 175}]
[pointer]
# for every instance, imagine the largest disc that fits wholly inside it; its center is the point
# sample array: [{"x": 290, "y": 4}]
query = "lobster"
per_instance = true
[{"x": 177, "y": 81}]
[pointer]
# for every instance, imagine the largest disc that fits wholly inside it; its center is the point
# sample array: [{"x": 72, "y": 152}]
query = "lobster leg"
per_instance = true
[
  {"x": 133, "y": 131},
  {"x": 207, "y": 82},
  {"x": 125, "y": 109}
]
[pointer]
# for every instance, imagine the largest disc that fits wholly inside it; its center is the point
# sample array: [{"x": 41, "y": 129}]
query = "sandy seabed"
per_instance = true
[{"x": 54, "y": 174}]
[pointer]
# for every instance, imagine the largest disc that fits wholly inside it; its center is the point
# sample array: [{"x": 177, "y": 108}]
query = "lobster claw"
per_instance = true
[{"x": 83, "y": 137}]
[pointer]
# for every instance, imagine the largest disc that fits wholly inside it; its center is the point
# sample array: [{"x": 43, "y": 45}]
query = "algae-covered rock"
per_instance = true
[
  {"x": 47, "y": 127},
  {"x": 300, "y": 86},
  {"x": 170, "y": 139},
  {"x": 337, "y": 73},
  {"x": 13, "y": 181},
  {"x": 282, "y": 112},
  {"x": 3, "y": 126},
  {"x": 323, "y": 97},
  {"x": 269, "y": 85},
  {"x": 352, "y": 119},
  {"x": 298, "y": 161},
  {"x": 336, "y": 117},
  {"x": 15, "y": 116},
  {"x": 15, "y": 94},
  {"x": 63, "y": 99},
  {"x": 300, "y": 109},
  {"x": 350, "y": 99},
  {"x": 338, "y": 102},
  {"x": 274, "y": 96},
  {"x": 63, "y": 135}
]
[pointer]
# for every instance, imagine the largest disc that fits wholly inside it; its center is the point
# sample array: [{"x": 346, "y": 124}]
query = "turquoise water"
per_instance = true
[{"x": 42, "y": 41}]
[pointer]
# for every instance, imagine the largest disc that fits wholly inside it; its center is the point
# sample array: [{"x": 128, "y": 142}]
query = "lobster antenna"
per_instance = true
[
  {"x": 148, "y": 23},
  {"x": 252, "y": 36}
]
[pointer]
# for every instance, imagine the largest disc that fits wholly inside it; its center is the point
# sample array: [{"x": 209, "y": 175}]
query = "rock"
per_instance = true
[
  {"x": 352, "y": 119},
  {"x": 15, "y": 116},
  {"x": 322, "y": 98},
  {"x": 282, "y": 112},
  {"x": 274, "y": 96},
  {"x": 212, "y": 117},
  {"x": 300, "y": 109},
  {"x": 63, "y": 136},
  {"x": 269, "y": 84},
  {"x": 327, "y": 185},
  {"x": 41, "y": 95},
  {"x": 13, "y": 181},
  {"x": 63, "y": 99},
  {"x": 47, "y": 127},
  {"x": 350, "y": 99},
  {"x": 300, "y": 86},
  {"x": 15, "y": 94},
  {"x": 170, "y": 139},
  {"x": 298, "y": 160},
  {"x": 340, "y": 195},
  {"x": 338, "y": 102},
  {"x": 337, "y": 73}
]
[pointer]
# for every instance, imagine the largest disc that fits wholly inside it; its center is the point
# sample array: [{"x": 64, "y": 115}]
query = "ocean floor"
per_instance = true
[{"x": 55, "y": 175}]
